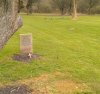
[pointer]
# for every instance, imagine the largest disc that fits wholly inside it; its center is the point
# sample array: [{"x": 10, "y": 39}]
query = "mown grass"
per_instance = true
[{"x": 70, "y": 47}]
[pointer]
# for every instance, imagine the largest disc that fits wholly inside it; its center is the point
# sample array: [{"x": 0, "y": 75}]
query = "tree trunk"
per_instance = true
[
  {"x": 74, "y": 14},
  {"x": 9, "y": 20},
  {"x": 62, "y": 11},
  {"x": 70, "y": 8},
  {"x": 90, "y": 7}
]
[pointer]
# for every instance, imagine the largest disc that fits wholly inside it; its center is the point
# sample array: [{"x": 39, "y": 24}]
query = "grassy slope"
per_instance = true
[{"x": 71, "y": 47}]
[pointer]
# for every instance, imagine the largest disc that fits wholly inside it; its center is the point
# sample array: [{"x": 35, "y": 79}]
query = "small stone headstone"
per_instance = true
[{"x": 26, "y": 43}]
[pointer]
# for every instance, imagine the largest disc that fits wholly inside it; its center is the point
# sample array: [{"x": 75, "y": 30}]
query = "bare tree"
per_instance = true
[
  {"x": 61, "y": 5},
  {"x": 29, "y": 6},
  {"x": 20, "y": 5},
  {"x": 70, "y": 7},
  {"x": 91, "y": 4},
  {"x": 74, "y": 14}
]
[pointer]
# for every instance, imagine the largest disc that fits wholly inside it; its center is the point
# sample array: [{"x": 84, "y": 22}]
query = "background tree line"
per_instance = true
[{"x": 59, "y": 6}]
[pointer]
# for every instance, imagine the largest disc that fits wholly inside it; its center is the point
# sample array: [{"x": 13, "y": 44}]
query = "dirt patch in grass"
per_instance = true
[
  {"x": 39, "y": 79},
  {"x": 48, "y": 84},
  {"x": 67, "y": 86},
  {"x": 39, "y": 83},
  {"x": 25, "y": 57}
]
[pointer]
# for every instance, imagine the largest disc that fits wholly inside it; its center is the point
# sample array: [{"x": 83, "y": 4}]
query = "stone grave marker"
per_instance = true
[{"x": 26, "y": 43}]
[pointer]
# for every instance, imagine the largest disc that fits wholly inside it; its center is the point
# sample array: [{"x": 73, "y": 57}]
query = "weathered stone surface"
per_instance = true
[
  {"x": 26, "y": 43},
  {"x": 9, "y": 20}
]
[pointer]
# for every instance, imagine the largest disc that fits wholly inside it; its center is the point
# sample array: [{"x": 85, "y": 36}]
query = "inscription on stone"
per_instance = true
[{"x": 26, "y": 43}]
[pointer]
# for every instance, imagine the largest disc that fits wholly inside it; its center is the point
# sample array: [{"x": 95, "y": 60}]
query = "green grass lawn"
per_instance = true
[{"x": 66, "y": 46}]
